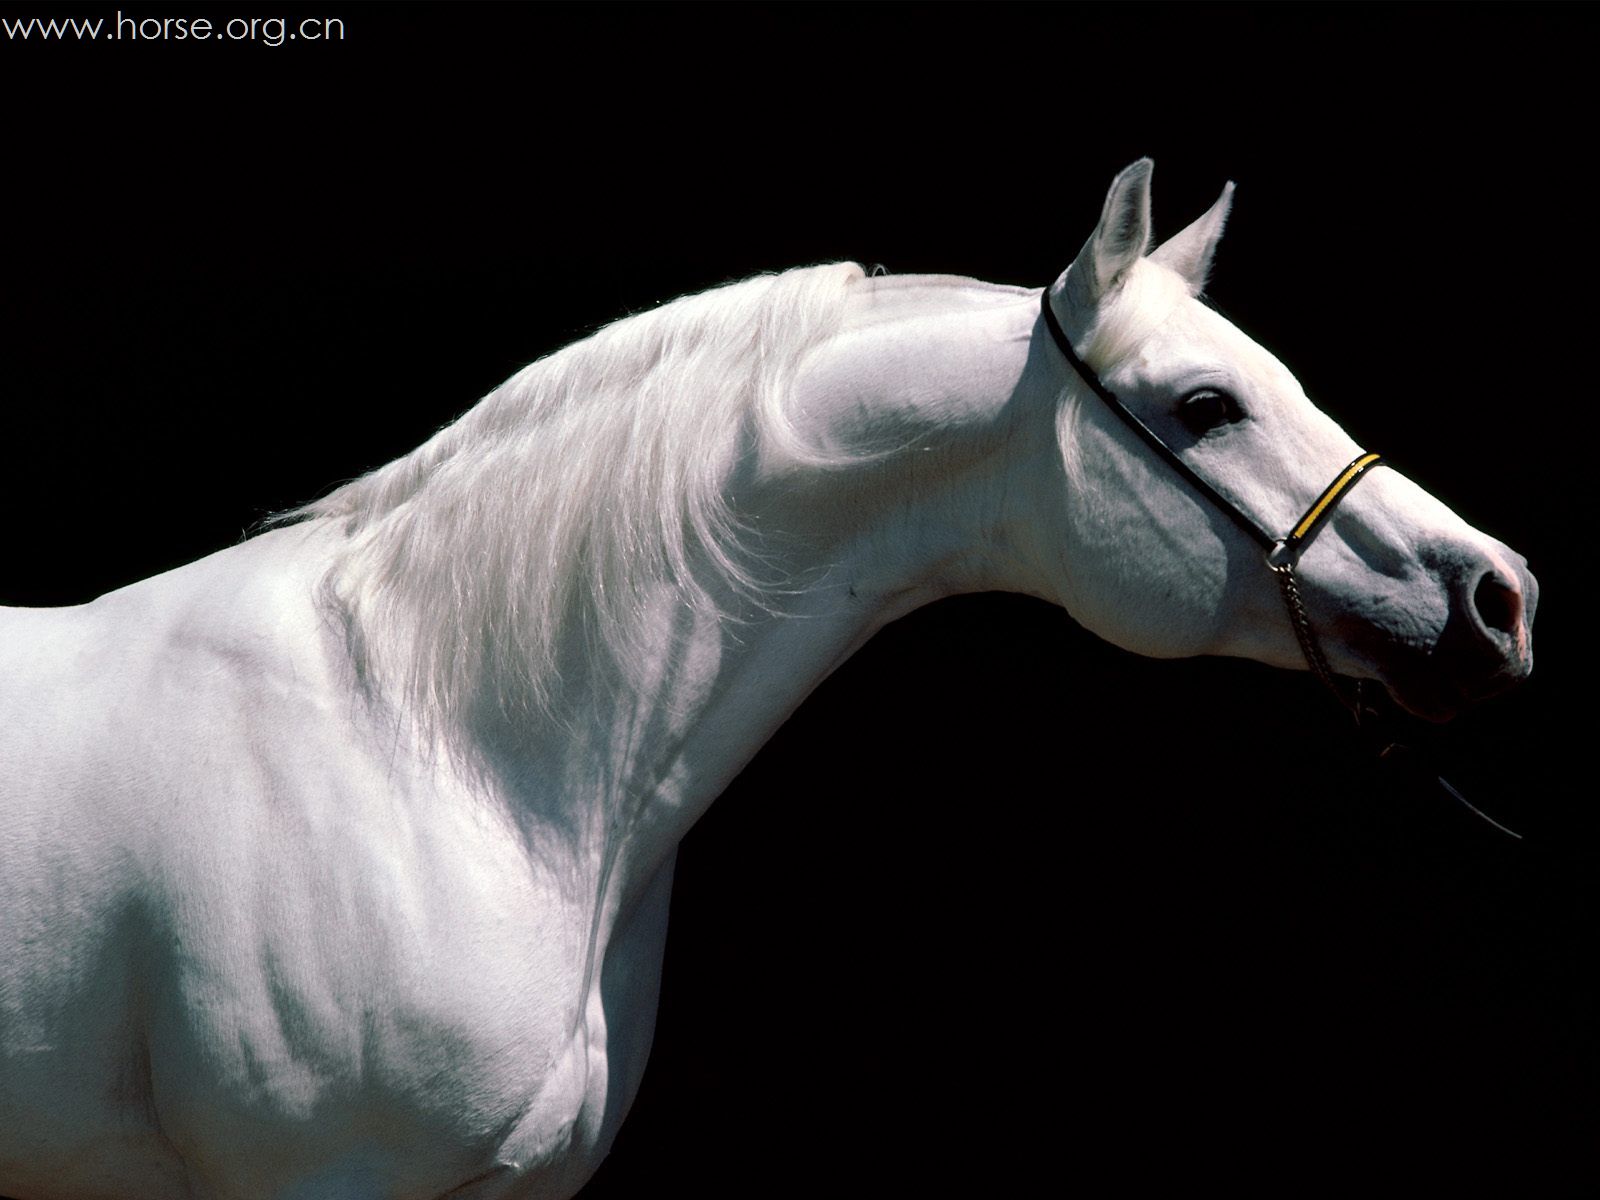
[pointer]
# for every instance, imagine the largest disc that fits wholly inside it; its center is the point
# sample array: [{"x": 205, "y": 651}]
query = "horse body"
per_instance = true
[{"x": 296, "y": 903}]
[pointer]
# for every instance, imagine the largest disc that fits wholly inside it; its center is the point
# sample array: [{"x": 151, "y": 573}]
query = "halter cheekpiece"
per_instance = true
[{"x": 1282, "y": 553}]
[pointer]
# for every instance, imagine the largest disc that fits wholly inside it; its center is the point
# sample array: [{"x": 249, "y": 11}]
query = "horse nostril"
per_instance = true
[{"x": 1499, "y": 605}]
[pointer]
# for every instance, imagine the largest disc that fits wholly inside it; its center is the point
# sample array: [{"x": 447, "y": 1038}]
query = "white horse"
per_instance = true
[{"x": 337, "y": 864}]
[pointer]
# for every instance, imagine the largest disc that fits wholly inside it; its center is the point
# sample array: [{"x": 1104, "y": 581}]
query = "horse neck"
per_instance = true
[
  {"x": 924, "y": 392},
  {"x": 947, "y": 422},
  {"x": 905, "y": 439}
]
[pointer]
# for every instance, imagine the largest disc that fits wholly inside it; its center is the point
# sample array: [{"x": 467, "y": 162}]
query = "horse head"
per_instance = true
[{"x": 1397, "y": 588}]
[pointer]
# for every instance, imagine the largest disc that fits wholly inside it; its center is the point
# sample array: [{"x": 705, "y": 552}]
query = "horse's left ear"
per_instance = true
[
  {"x": 1117, "y": 243},
  {"x": 1189, "y": 253}
]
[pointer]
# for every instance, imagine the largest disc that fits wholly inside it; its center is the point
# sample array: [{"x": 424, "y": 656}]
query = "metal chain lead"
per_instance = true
[{"x": 1307, "y": 639}]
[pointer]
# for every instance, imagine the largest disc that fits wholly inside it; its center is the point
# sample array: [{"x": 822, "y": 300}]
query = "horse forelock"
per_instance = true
[
  {"x": 558, "y": 506},
  {"x": 1145, "y": 297}
]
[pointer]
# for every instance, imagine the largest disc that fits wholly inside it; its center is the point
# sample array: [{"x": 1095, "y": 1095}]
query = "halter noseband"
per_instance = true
[{"x": 1281, "y": 552}]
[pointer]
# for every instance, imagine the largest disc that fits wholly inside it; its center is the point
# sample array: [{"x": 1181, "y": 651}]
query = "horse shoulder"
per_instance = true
[{"x": 280, "y": 901}]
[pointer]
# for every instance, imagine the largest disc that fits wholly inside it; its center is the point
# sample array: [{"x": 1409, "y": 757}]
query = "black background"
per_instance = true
[{"x": 1000, "y": 899}]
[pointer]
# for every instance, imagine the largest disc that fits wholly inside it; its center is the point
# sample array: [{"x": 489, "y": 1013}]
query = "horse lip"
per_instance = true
[
  {"x": 1426, "y": 690},
  {"x": 1429, "y": 703}
]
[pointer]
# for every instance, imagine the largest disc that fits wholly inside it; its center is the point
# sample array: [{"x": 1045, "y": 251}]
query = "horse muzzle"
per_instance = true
[{"x": 1486, "y": 644}]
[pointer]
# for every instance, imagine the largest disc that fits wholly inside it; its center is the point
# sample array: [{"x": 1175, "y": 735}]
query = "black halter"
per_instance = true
[
  {"x": 1281, "y": 556},
  {"x": 1281, "y": 552}
]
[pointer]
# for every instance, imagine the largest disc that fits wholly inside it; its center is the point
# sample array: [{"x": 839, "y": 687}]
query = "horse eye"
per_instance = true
[{"x": 1206, "y": 409}]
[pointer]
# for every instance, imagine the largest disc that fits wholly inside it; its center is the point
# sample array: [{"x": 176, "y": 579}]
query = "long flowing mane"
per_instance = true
[{"x": 558, "y": 505}]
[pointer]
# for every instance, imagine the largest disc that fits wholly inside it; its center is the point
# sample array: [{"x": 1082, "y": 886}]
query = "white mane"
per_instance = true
[{"x": 560, "y": 503}]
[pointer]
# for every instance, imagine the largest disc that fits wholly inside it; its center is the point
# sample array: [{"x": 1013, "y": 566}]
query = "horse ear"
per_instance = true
[
  {"x": 1118, "y": 241},
  {"x": 1189, "y": 253}
]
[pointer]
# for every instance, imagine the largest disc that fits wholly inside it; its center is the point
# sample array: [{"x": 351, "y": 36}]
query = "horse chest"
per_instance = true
[
  {"x": 329, "y": 980},
  {"x": 451, "y": 978}
]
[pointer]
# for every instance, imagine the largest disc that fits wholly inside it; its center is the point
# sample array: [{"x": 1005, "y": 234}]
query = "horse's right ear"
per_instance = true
[
  {"x": 1118, "y": 241},
  {"x": 1189, "y": 253}
]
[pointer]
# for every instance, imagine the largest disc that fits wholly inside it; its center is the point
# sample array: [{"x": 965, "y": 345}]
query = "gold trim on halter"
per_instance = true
[{"x": 1336, "y": 489}]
